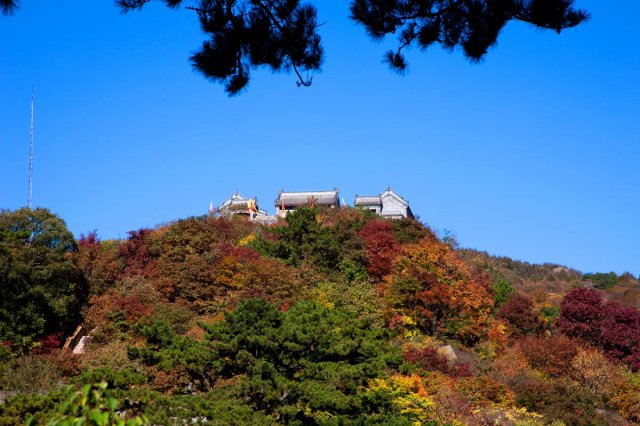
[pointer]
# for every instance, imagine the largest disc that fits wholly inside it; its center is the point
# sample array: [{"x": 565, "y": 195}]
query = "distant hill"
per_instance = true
[{"x": 554, "y": 279}]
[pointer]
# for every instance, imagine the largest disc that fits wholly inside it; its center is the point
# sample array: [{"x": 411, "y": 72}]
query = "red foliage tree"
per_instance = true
[
  {"x": 98, "y": 261},
  {"x": 431, "y": 360},
  {"x": 609, "y": 325},
  {"x": 519, "y": 313},
  {"x": 581, "y": 313},
  {"x": 48, "y": 344},
  {"x": 381, "y": 247},
  {"x": 620, "y": 334},
  {"x": 136, "y": 254}
]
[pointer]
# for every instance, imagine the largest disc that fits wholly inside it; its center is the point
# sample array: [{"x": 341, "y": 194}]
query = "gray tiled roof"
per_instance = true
[
  {"x": 303, "y": 198},
  {"x": 390, "y": 191},
  {"x": 368, "y": 200}
]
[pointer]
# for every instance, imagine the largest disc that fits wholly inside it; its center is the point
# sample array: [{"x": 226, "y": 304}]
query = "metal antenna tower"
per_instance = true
[{"x": 31, "y": 151}]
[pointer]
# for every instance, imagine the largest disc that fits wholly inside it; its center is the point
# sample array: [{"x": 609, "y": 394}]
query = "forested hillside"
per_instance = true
[{"x": 330, "y": 317}]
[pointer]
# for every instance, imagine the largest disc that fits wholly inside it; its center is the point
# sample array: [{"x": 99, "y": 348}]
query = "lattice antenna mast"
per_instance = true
[{"x": 31, "y": 151}]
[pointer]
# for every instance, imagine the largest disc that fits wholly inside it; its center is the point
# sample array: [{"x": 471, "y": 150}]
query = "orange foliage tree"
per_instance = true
[
  {"x": 431, "y": 284},
  {"x": 553, "y": 354}
]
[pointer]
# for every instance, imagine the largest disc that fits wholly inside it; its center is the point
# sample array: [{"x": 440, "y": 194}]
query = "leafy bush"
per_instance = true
[
  {"x": 502, "y": 290},
  {"x": 553, "y": 354},
  {"x": 91, "y": 405},
  {"x": 581, "y": 313},
  {"x": 30, "y": 374},
  {"x": 519, "y": 313},
  {"x": 178, "y": 316}
]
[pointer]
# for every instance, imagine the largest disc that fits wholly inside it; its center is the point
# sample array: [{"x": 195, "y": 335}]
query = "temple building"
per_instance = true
[
  {"x": 389, "y": 204},
  {"x": 289, "y": 201},
  {"x": 237, "y": 205}
]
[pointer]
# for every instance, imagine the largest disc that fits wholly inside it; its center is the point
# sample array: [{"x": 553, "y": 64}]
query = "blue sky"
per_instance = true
[{"x": 534, "y": 153}]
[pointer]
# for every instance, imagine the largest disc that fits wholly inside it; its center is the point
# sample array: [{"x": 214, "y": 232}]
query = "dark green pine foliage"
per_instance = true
[
  {"x": 7, "y": 7},
  {"x": 304, "y": 239},
  {"x": 41, "y": 289},
  {"x": 603, "y": 280},
  {"x": 282, "y": 35},
  {"x": 298, "y": 367},
  {"x": 473, "y": 25},
  {"x": 247, "y": 34}
]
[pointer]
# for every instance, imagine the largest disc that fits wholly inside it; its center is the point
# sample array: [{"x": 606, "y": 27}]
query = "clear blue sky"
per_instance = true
[{"x": 533, "y": 154}]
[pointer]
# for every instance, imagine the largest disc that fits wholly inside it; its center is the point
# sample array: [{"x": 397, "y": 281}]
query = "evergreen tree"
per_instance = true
[{"x": 282, "y": 35}]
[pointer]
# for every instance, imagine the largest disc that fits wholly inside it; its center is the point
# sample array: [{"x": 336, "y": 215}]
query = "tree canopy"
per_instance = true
[
  {"x": 283, "y": 35},
  {"x": 327, "y": 317},
  {"x": 42, "y": 290}
]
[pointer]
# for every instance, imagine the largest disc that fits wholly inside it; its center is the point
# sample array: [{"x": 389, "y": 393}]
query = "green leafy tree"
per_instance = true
[
  {"x": 42, "y": 289},
  {"x": 91, "y": 405},
  {"x": 502, "y": 291}
]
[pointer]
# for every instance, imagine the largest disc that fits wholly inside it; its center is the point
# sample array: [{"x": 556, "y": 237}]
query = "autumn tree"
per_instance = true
[
  {"x": 381, "y": 247},
  {"x": 522, "y": 318},
  {"x": 620, "y": 334},
  {"x": 581, "y": 312},
  {"x": 99, "y": 262},
  {"x": 616, "y": 329},
  {"x": 430, "y": 283},
  {"x": 193, "y": 259},
  {"x": 135, "y": 253}
]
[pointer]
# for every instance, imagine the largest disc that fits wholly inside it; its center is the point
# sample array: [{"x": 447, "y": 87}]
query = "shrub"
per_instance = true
[
  {"x": 519, "y": 313},
  {"x": 30, "y": 374},
  {"x": 502, "y": 290},
  {"x": 620, "y": 334},
  {"x": 483, "y": 391},
  {"x": 559, "y": 400},
  {"x": 603, "y": 281},
  {"x": 90, "y": 405},
  {"x": 429, "y": 359},
  {"x": 581, "y": 312},
  {"x": 553, "y": 355},
  {"x": 178, "y": 316}
]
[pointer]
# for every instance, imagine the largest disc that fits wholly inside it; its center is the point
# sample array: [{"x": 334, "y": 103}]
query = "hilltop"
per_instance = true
[{"x": 329, "y": 316}]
